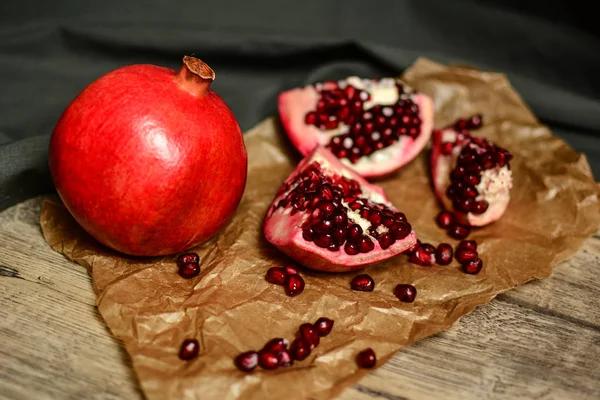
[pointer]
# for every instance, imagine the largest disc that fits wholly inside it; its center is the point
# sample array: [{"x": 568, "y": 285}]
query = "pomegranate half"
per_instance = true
[
  {"x": 328, "y": 218},
  {"x": 150, "y": 161},
  {"x": 373, "y": 126},
  {"x": 471, "y": 175}
]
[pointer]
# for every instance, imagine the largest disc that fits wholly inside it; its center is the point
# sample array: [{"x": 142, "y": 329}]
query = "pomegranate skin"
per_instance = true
[{"x": 150, "y": 161}]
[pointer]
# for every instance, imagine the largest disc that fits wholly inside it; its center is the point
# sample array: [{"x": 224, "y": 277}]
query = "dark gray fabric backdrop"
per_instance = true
[{"x": 49, "y": 51}]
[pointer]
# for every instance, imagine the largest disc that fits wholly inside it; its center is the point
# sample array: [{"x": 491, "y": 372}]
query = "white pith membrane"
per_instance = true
[
  {"x": 284, "y": 225},
  {"x": 294, "y": 104},
  {"x": 494, "y": 186}
]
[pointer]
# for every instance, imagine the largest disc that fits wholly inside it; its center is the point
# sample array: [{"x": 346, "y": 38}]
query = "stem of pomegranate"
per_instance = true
[{"x": 195, "y": 76}]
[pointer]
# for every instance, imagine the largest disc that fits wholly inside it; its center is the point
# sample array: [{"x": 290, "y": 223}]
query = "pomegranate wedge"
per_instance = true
[
  {"x": 373, "y": 126},
  {"x": 471, "y": 175},
  {"x": 328, "y": 218}
]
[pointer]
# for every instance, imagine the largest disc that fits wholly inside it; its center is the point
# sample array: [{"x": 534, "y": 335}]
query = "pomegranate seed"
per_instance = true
[
  {"x": 322, "y": 240},
  {"x": 458, "y": 231},
  {"x": 366, "y": 358},
  {"x": 365, "y": 245},
  {"x": 447, "y": 148},
  {"x": 444, "y": 219},
  {"x": 385, "y": 240},
  {"x": 354, "y": 232},
  {"x": 285, "y": 359},
  {"x": 308, "y": 332},
  {"x": 473, "y": 267},
  {"x": 300, "y": 349},
  {"x": 294, "y": 285},
  {"x": 291, "y": 270},
  {"x": 247, "y": 361},
  {"x": 401, "y": 230},
  {"x": 465, "y": 255},
  {"x": 276, "y": 345},
  {"x": 351, "y": 249},
  {"x": 276, "y": 275},
  {"x": 422, "y": 258},
  {"x": 362, "y": 283},
  {"x": 476, "y": 121},
  {"x": 428, "y": 248},
  {"x": 188, "y": 258},
  {"x": 467, "y": 244},
  {"x": 323, "y": 326},
  {"x": 189, "y": 270},
  {"x": 479, "y": 207},
  {"x": 310, "y": 118},
  {"x": 463, "y": 205},
  {"x": 189, "y": 349},
  {"x": 443, "y": 254},
  {"x": 405, "y": 293},
  {"x": 267, "y": 360},
  {"x": 325, "y": 207}
]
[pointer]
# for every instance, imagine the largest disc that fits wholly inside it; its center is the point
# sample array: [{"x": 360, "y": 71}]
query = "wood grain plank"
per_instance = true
[{"x": 541, "y": 340}]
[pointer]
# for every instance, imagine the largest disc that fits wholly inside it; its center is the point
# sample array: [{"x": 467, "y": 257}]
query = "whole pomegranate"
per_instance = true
[
  {"x": 373, "y": 126},
  {"x": 328, "y": 218},
  {"x": 150, "y": 161},
  {"x": 471, "y": 175}
]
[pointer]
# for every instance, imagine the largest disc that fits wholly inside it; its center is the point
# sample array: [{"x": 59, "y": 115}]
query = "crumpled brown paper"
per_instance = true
[{"x": 230, "y": 308}]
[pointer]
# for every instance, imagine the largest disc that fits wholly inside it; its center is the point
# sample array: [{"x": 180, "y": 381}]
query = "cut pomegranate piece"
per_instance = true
[
  {"x": 328, "y": 218},
  {"x": 473, "y": 178},
  {"x": 373, "y": 126}
]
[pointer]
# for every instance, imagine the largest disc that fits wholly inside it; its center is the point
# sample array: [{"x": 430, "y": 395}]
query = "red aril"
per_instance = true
[
  {"x": 473, "y": 178},
  {"x": 150, "y": 161},
  {"x": 373, "y": 126},
  {"x": 328, "y": 218}
]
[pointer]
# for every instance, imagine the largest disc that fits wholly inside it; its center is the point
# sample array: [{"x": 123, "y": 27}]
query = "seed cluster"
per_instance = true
[
  {"x": 335, "y": 203},
  {"x": 278, "y": 352},
  {"x": 476, "y": 155},
  {"x": 368, "y": 130}
]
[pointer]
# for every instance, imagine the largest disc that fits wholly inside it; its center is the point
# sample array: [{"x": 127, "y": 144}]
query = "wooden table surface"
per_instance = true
[{"x": 541, "y": 340}]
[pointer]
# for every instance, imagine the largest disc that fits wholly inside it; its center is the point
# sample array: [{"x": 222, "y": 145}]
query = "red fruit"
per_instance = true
[
  {"x": 189, "y": 271},
  {"x": 328, "y": 218},
  {"x": 414, "y": 247},
  {"x": 477, "y": 183},
  {"x": 444, "y": 219},
  {"x": 366, "y": 358},
  {"x": 276, "y": 345},
  {"x": 465, "y": 255},
  {"x": 363, "y": 283},
  {"x": 300, "y": 349},
  {"x": 308, "y": 332},
  {"x": 294, "y": 285},
  {"x": 189, "y": 349},
  {"x": 150, "y": 161},
  {"x": 379, "y": 141},
  {"x": 467, "y": 244},
  {"x": 188, "y": 258},
  {"x": 323, "y": 326},
  {"x": 276, "y": 275},
  {"x": 473, "y": 267},
  {"x": 443, "y": 254},
  {"x": 405, "y": 293},
  {"x": 422, "y": 257},
  {"x": 285, "y": 359},
  {"x": 267, "y": 360},
  {"x": 458, "y": 231},
  {"x": 247, "y": 361}
]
